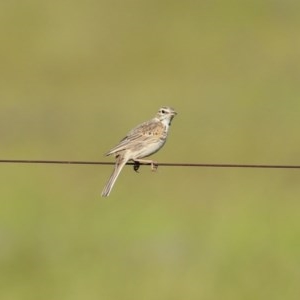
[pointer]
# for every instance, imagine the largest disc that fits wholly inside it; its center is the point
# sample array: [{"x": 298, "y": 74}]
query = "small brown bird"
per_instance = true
[{"x": 142, "y": 141}]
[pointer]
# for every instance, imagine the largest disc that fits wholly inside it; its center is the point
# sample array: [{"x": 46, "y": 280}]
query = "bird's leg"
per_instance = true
[{"x": 153, "y": 164}]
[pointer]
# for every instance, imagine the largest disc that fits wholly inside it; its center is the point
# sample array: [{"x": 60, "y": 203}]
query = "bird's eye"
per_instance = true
[{"x": 163, "y": 111}]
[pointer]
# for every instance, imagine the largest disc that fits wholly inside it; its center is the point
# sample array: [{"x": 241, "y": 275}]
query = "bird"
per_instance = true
[{"x": 140, "y": 142}]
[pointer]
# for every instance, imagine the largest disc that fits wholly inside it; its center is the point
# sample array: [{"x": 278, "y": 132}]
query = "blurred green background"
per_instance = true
[{"x": 76, "y": 76}]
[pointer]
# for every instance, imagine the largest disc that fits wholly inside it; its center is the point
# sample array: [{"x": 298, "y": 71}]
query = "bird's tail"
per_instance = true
[{"x": 120, "y": 163}]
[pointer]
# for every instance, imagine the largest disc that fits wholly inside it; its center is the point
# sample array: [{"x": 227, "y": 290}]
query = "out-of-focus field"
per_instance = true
[{"x": 75, "y": 76}]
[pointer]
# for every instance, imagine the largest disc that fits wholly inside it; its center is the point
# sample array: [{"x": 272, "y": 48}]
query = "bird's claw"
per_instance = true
[
  {"x": 154, "y": 166},
  {"x": 136, "y": 166}
]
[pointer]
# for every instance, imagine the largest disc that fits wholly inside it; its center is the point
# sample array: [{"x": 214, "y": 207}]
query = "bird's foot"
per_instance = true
[
  {"x": 154, "y": 166},
  {"x": 136, "y": 166}
]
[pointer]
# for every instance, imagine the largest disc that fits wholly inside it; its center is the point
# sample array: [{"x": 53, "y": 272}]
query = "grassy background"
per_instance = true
[{"x": 76, "y": 76}]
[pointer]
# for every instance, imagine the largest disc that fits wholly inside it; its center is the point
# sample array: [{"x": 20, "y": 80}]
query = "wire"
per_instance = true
[{"x": 72, "y": 162}]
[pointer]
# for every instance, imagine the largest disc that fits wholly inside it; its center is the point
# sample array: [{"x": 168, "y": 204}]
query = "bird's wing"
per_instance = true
[{"x": 142, "y": 132}]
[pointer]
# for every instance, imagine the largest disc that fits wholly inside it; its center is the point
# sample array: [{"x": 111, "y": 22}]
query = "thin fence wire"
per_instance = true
[{"x": 206, "y": 165}]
